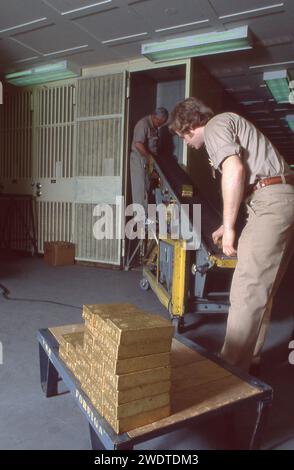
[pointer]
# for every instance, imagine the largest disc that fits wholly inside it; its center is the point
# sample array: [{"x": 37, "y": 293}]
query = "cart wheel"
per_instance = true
[
  {"x": 144, "y": 284},
  {"x": 179, "y": 324}
]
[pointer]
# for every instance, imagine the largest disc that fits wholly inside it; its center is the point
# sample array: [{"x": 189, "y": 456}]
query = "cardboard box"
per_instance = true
[{"x": 59, "y": 253}]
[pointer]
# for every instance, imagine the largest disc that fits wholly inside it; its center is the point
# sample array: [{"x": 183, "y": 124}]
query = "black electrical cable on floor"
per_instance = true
[{"x": 6, "y": 293}]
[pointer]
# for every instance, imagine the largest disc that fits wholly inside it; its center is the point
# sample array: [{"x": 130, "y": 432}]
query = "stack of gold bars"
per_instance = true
[{"x": 122, "y": 361}]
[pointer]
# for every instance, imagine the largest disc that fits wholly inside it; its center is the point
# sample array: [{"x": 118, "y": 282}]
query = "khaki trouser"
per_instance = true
[
  {"x": 264, "y": 250},
  {"x": 139, "y": 180}
]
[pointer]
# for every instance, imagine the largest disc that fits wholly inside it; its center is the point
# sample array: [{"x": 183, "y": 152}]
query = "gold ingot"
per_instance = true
[
  {"x": 70, "y": 340},
  {"x": 119, "y": 397},
  {"x": 134, "y": 407},
  {"x": 132, "y": 422},
  {"x": 136, "y": 379},
  {"x": 133, "y": 364},
  {"x": 117, "y": 351}
]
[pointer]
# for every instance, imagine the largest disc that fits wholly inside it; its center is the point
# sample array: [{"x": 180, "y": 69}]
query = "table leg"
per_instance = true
[
  {"x": 48, "y": 374},
  {"x": 263, "y": 407},
  {"x": 95, "y": 441}
]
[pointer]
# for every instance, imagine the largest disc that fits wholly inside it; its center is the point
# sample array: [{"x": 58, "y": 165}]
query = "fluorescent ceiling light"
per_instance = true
[
  {"x": 86, "y": 7},
  {"x": 181, "y": 26},
  {"x": 43, "y": 74},
  {"x": 26, "y": 60},
  {"x": 290, "y": 120},
  {"x": 122, "y": 38},
  {"x": 278, "y": 85},
  {"x": 271, "y": 65},
  {"x": 265, "y": 119},
  {"x": 258, "y": 111},
  {"x": 23, "y": 25},
  {"x": 251, "y": 102},
  {"x": 255, "y": 10},
  {"x": 71, "y": 49},
  {"x": 270, "y": 126},
  {"x": 198, "y": 45}
]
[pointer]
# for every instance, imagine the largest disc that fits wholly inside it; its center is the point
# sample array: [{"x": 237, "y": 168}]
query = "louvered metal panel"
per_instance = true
[
  {"x": 100, "y": 96},
  {"x": 16, "y": 136},
  {"x": 100, "y": 121},
  {"x": 54, "y": 222},
  {"x": 99, "y": 147},
  {"x": 54, "y": 131},
  {"x": 88, "y": 248}
]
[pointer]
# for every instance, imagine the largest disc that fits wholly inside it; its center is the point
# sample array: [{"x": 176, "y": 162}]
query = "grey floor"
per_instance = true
[{"x": 28, "y": 420}]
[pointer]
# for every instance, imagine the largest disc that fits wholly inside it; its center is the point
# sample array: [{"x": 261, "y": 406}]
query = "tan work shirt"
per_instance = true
[
  {"x": 147, "y": 134},
  {"x": 229, "y": 134}
]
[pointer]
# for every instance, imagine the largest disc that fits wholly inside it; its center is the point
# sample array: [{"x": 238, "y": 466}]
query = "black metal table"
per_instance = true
[{"x": 102, "y": 436}]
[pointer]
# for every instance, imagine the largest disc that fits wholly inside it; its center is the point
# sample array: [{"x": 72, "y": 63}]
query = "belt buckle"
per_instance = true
[{"x": 257, "y": 185}]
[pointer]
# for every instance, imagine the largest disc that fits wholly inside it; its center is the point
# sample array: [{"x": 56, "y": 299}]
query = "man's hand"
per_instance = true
[
  {"x": 217, "y": 236},
  {"x": 229, "y": 236},
  {"x": 224, "y": 238}
]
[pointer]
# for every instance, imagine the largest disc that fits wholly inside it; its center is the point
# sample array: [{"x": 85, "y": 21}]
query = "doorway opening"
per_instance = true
[{"x": 151, "y": 89}]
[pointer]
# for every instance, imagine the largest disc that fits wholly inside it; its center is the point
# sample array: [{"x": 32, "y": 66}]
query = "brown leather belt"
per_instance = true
[{"x": 282, "y": 179}]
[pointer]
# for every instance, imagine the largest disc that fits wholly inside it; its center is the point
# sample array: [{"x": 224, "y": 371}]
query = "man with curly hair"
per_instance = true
[{"x": 252, "y": 171}]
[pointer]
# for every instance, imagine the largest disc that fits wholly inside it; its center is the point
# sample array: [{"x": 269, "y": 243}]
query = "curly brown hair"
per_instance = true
[{"x": 189, "y": 114}]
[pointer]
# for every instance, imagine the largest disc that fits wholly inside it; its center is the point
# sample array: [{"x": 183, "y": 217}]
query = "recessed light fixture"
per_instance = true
[
  {"x": 26, "y": 60},
  {"x": 86, "y": 7},
  {"x": 122, "y": 38},
  {"x": 181, "y": 26},
  {"x": 273, "y": 64},
  {"x": 278, "y": 85},
  {"x": 255, "y": 10},
  {"x": 71, "y": 49},
  {"x": 264, "y": 119},
  {"x": 290, "y": 120},
  {"x": 251, "y": 102},
  {"x": 39, "y": 20},
  {"x": 259, "y": 111}
]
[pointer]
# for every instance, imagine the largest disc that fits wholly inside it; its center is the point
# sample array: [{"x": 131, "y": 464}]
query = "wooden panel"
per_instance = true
[{"x": 209, "y": 387}]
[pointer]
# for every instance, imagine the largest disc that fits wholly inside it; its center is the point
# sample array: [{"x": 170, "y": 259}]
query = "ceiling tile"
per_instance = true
[
  {"x": 229, "y": 7},
  {"x": 15, "y": 14},
  {"x": 11, "y": 51},
  {"x": 128, "y": 51},
  {"x": 112, "y": 24},
  {"x": 280, "y": 30},
  {"x": 64, "y": 6},
  {"x": 53, "y": 38},
  {"x": 169, "y": 13},
  {"x": 98, "y": 57}
]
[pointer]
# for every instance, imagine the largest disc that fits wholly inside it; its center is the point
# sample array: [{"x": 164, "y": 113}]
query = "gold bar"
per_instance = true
[
  {"x": 136, "y": 379},
  {"x": 119, "y": 397},
  {"x": 132, "y": 422}
]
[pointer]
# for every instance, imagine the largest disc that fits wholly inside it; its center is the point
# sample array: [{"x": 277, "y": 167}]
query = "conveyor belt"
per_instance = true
[{"x": 177, "y": 178}]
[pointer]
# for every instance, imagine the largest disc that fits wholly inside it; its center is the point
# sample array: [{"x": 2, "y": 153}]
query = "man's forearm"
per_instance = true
[
  {"x": 143, "y": 150},
  {"x": 233, "y": 180}
]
